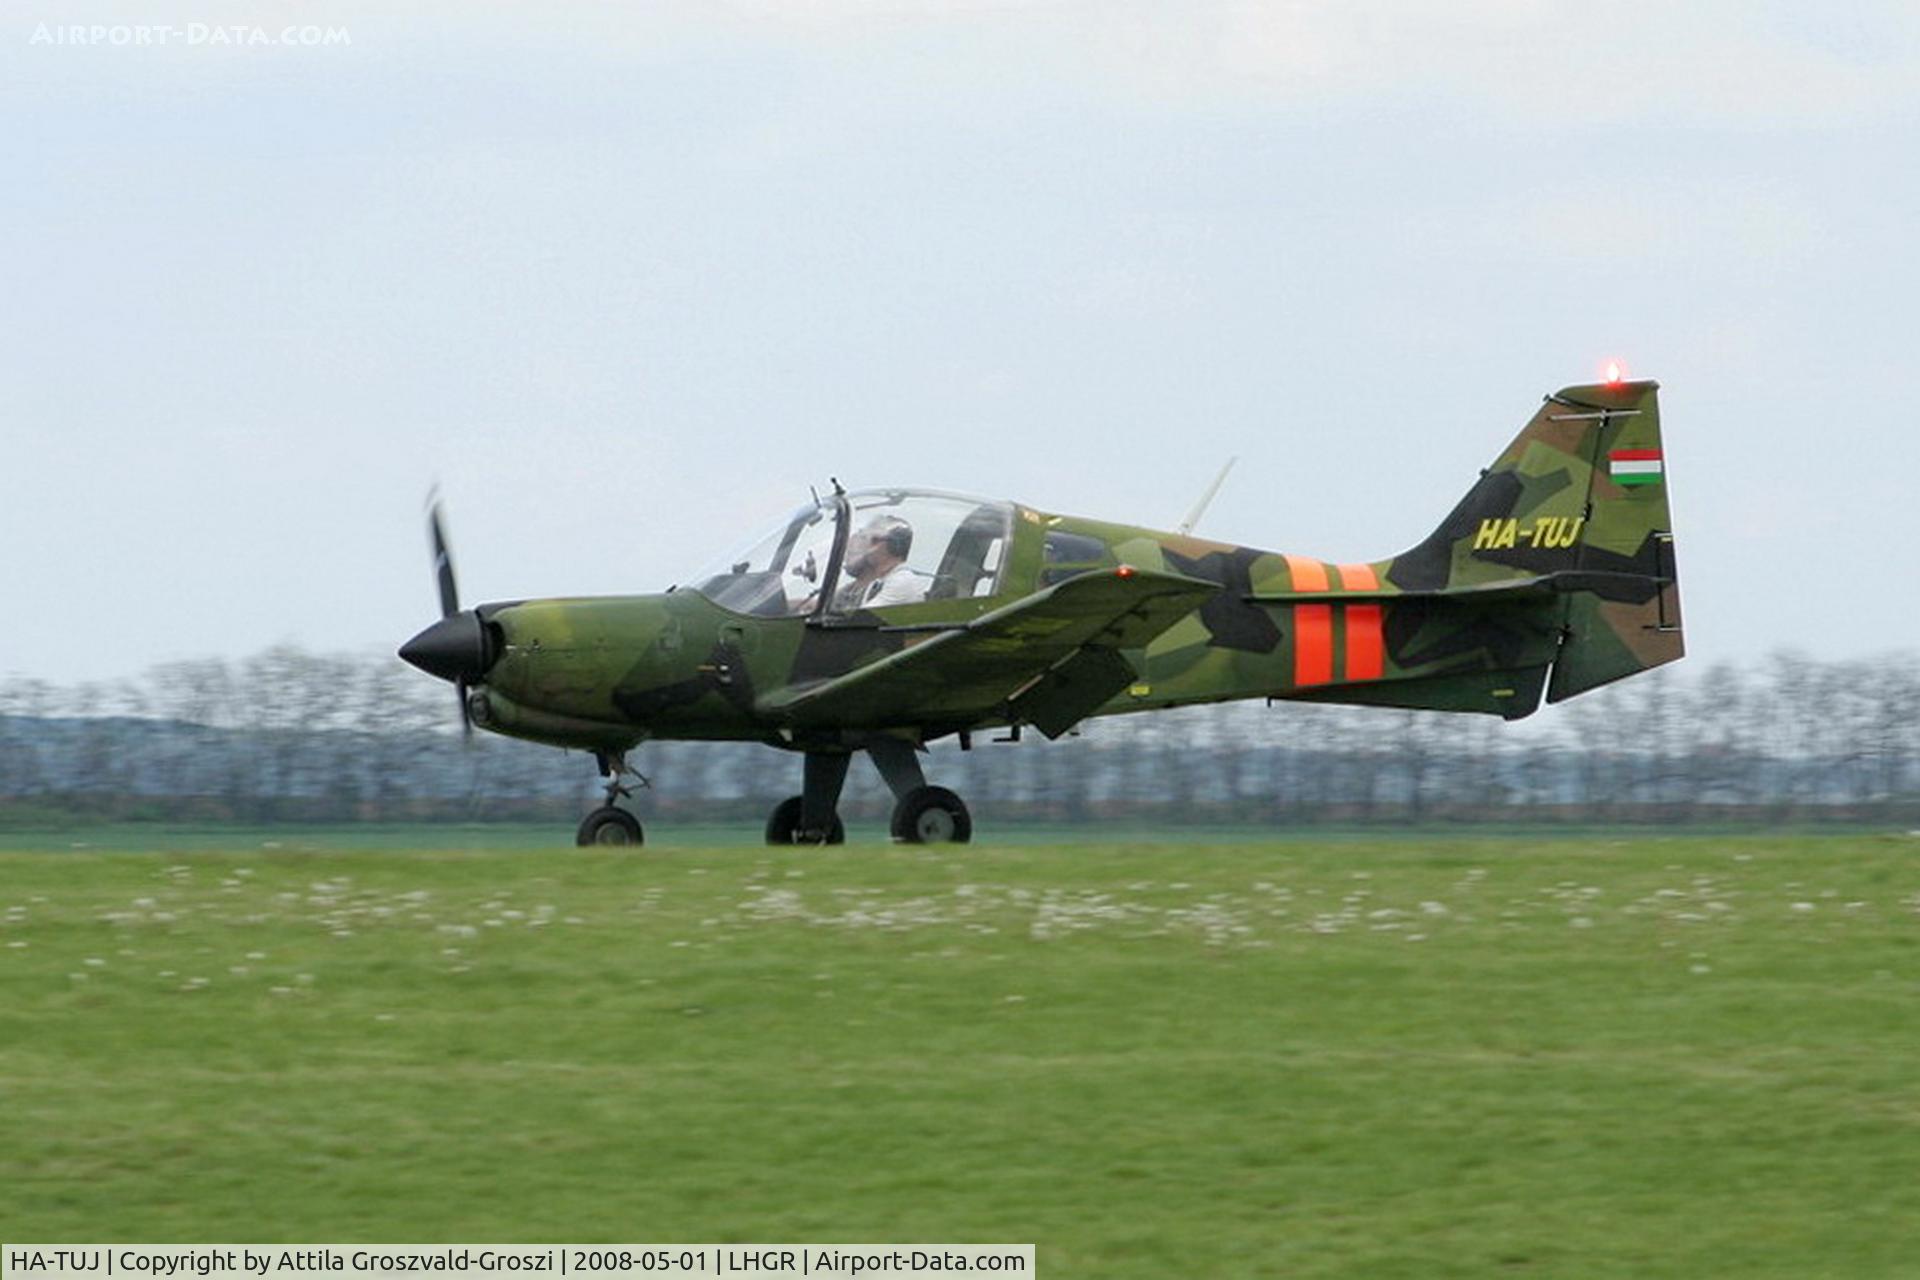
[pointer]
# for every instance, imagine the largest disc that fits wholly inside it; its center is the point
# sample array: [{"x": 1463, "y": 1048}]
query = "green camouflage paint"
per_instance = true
[{"x": 1554, "y": 574}]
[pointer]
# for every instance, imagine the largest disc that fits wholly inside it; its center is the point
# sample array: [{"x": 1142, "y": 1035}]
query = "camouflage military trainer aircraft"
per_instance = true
[{"x": 882, "y": 620}]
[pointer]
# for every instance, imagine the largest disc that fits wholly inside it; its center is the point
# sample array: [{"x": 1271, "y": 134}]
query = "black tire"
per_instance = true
[
  {"x": 931, "y": 815},
  {"x": 783, "y": 825},
  {"x": 609, "y": 827}
]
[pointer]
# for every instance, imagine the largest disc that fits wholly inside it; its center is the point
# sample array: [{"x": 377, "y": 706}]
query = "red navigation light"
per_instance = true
[
  {"x": 1614, "y": 375},
  {"x": 1125, "y": 571}
]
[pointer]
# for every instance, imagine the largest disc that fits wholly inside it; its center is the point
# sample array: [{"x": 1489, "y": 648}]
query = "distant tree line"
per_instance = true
[{"x": 292, "y": 736}]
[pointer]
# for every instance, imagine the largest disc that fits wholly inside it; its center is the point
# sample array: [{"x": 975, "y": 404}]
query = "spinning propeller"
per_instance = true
[{"x": 459, "y": 647}]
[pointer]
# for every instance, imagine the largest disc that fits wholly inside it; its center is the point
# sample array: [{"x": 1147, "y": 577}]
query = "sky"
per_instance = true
[{"x": 623, "y": 281}]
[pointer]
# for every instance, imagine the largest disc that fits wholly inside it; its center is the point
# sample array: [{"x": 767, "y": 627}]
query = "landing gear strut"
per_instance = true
[
  {"x": 811, "y": 817},
  {"x": 610, "y": 824},
  {"x": 921, "y": 814}
]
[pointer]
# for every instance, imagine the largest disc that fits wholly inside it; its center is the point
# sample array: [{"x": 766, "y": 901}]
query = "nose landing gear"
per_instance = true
[{"x": 609, "y": 824}]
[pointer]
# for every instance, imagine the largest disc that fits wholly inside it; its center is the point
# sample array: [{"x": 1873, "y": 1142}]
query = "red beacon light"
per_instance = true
[{"x": 1614, "y": 374}]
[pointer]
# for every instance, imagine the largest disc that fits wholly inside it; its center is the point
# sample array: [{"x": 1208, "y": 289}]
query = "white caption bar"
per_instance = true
[{"x": 353, "y": 1261}]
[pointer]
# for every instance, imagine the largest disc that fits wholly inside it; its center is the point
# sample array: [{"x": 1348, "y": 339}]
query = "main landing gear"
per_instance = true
[
  {"x": 610, "y": 824},
  {"x": 921, "y": 814}
]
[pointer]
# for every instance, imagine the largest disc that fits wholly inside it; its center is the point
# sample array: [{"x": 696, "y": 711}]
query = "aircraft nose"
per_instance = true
[{"x": 459, "y": 647}]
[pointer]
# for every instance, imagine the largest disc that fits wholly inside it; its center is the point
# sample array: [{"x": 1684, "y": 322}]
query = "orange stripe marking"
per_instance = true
[
  {"x": 1307, "y": 575},
  {"x": 1358, "y": 577},
  {"x": 1312, "y": 644},
  {"x": 1366, "y": 641},
  {"x": 1312, "y": 625}
]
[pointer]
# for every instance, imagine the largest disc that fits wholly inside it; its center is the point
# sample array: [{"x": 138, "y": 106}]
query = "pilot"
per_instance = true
[{"x": 876, "y": 567}]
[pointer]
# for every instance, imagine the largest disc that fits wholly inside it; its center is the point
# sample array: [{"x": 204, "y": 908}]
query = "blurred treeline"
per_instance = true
[{"x": 292, "y": 736}]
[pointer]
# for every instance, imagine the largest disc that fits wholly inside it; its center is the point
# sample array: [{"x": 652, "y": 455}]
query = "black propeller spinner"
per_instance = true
[{"x": 459, "y": 647}]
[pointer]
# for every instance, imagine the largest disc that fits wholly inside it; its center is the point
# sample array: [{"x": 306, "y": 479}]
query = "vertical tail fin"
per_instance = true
[{"x": 1580, "y": 494}]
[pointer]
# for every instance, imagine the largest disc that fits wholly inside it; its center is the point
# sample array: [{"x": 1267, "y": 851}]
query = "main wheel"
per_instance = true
[
  {"x": 609, "y": 826},
  {"x": 931, "y": 815},
  {"x": 783, "y": 827}
]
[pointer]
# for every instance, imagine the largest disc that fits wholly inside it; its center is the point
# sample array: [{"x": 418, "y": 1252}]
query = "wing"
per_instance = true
[{"x": 1047, "y": 659}]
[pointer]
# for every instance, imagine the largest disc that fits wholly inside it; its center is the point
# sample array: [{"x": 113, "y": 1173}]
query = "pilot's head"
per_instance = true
[{"x": 878, "y": 546}]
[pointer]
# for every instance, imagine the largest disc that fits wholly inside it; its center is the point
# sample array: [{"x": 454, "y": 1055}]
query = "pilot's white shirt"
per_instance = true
[{"x": 898, "y": 585}]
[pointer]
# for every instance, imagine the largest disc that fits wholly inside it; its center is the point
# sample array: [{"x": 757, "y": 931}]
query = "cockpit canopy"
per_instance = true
[{"x": 866, "y": 550}]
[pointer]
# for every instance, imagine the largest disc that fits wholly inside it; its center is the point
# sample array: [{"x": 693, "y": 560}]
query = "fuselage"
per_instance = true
[{"x": 606, "y": 672}]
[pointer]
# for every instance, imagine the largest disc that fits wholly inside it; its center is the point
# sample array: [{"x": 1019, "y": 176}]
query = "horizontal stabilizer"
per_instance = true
[{"x": 1606, "y": 584}]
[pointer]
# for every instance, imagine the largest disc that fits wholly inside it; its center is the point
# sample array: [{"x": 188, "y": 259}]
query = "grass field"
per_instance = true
[{"x": 1418, "y": 1057}]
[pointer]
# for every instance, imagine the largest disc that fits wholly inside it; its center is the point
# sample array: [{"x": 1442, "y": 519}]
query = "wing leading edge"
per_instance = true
[{"x": 1048, "y": 659}]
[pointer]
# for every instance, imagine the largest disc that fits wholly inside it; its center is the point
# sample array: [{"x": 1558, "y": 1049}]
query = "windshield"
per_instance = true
[
  {"x": 903, "y": 546},
  {"x": 779, "y": 575}
]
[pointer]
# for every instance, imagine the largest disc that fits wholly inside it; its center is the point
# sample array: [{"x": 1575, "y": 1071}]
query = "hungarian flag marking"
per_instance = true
[{"x": 1635, "y": 466}]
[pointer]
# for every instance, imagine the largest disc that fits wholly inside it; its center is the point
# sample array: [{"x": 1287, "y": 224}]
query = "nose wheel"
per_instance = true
[{"x": 610, "y": 825}]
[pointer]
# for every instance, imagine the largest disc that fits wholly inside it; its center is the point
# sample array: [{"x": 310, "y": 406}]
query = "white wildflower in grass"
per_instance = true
[
  {"x": 1803, "y": 906},
  {"x": 1581, "y": 922},
  {"x": 93, "y": 962},
  {"x": 280, "y": 991},
  {"x": 1700, "y": 968}
]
